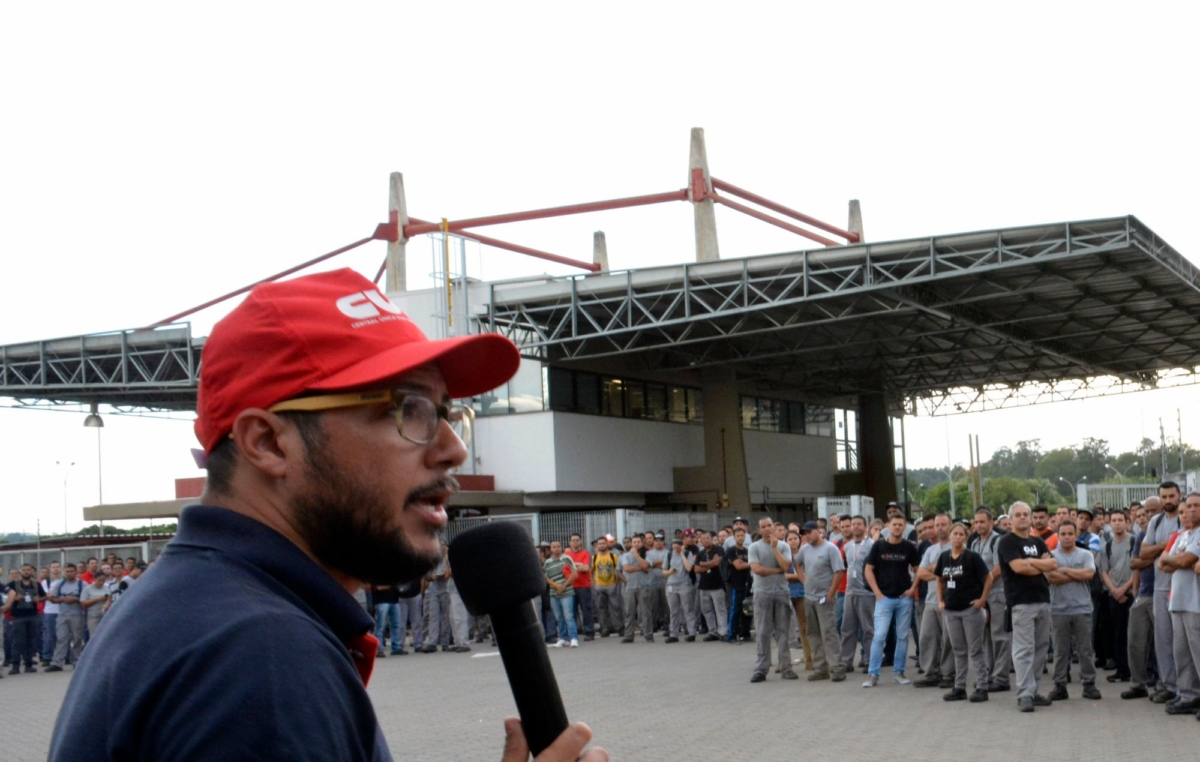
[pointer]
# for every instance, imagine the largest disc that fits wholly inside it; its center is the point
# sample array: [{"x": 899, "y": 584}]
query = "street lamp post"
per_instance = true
[
  {"x": 950, "y": 476},
  {"x": 1124, "y": 476},
  {"x": 94, "y": 421},
  {"x": 1074, "y": 486},
  {"x": 66, "y": 475}
]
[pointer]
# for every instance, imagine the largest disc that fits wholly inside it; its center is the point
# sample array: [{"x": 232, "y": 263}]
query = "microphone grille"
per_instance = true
[{"x": 496, "y": 565}]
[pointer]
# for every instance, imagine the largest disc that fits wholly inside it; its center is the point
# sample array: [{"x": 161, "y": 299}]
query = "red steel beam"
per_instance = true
[
  {"x": 268, "y": 279},
  {"x": 494, "y": 242},
  {"x": 412, "y": 229},
  {"x": 781, "y": 209},
  {"x": 768, "y": 218}
]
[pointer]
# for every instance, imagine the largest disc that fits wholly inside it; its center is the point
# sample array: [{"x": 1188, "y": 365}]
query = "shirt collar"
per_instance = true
[{"x": 251, "y": 541}]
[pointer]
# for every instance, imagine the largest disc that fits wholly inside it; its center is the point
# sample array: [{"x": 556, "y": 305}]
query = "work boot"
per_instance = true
[
  {"x": 1040, "y": 700},
  {"x": 1135, "y": 693},
  {"x": 1025, "y": 704},
  {"x": 1059, "y": 693},
  {"x": 958, "y": 694},
  {"x": 978, "y": 696},
  {"x": 1090, "y": 692}
]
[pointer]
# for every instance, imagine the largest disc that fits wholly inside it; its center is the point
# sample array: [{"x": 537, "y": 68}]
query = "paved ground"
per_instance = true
[{"x": 667, "y": 703}]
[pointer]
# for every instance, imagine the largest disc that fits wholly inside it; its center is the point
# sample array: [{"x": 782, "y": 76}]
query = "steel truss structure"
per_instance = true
[
  {"x": 948, "y": 324},
  {"x": 146, "y": 369}
]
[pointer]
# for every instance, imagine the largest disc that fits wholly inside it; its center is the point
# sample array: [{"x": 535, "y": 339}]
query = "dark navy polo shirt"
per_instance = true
[{"x": 231, "y": 647}]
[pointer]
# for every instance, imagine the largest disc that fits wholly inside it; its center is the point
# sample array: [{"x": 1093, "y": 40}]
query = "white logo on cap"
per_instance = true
[{"x": 366, "y": 304}]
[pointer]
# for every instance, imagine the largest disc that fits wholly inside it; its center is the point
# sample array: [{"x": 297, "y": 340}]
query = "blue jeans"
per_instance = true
[
  {"x": 49, "y": 622},
  {"x": 901, "y": 609},
  {"x": 841, "y": 608},
  {"x": 564, "y": 614},
  {"x": 389, "y": 614}
]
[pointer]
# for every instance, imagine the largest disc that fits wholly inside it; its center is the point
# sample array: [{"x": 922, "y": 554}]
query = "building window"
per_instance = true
[
  {"x": 847, "y": 439},
  {"x": 818, "y": 421},
  {"x": 577, "y": 392},
  {"x": 612, "y": 397}
]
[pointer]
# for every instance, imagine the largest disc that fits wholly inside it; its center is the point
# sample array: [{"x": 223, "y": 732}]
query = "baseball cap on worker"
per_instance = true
[{"x": 327, "y": 332}]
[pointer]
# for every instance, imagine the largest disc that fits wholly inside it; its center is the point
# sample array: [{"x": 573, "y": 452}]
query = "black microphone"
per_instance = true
[{"x": 477, "y": 557}]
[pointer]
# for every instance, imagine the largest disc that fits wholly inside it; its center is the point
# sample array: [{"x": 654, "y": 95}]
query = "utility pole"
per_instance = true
[{"x": 1162, "y": 438}]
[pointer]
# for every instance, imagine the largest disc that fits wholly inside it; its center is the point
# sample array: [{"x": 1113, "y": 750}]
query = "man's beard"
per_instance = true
[{"x": 348, "y": 527}]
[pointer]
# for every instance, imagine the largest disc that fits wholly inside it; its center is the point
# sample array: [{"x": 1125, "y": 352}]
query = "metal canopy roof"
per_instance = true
[
  {"x": 152, "y": 369},
  {"x": 946, "y": 324}
]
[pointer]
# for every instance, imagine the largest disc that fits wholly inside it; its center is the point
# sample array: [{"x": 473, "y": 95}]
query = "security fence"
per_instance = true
[
  {"x": 621, "y": 522},
  {"x": 78, "y": 554},
  {"x": 1115, "y": 495}
]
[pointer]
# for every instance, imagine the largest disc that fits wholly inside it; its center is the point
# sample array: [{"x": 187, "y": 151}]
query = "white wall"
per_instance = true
[
  {"x": 518, "y": 450},
  {"x": 565, "y": 452},
  {"x": 790, "y": 462},
  {"x": 595, "y": 453}
]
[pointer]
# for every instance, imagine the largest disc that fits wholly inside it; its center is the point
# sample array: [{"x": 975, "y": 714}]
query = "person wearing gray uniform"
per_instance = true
[
  {"x": 681, "y": 593},
  {"x": 997, "y": 640},
  {"x": 437, "y": 607},
  {"x": 937, "y": 656},
  {"x": 1160, "y": 529},
  {"x": 657, "y": 557},
  {"x": 769, "y": 561},
  {"x": 821, "y": 569},
  {"x": 637, "y": 591},
  {"x": 1120, "y": 582},
  {"x": 1178, "y": 563},
  {"x": 1141, "y": 615},
  {"x": 1071, "y": 612},
  {"x": 858, "y": 617},
  {"x": 67, "y": 594},
  {"x": 1024, "y": 561},
  {"x": 963, "y": 582}
]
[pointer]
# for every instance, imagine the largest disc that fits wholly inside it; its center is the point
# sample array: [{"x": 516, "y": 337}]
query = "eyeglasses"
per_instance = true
[{"x": 417, "y": 417}]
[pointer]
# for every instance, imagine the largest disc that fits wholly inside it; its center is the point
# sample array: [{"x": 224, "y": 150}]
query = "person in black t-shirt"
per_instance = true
[
  {"x": 889, "y": 571},
  {"x": 738, "y": 556},
  {"x": 711, "y": 587},
  {"x": 964, "y": 581},
  {"x": 1024, "y": 560}
]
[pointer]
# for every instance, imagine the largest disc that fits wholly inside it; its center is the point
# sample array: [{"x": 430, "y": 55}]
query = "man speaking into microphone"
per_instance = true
[{"x": 327, "y": 421}]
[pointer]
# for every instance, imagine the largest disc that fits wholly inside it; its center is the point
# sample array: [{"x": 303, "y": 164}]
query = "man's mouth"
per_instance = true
[{"x": 430, "y": 502}]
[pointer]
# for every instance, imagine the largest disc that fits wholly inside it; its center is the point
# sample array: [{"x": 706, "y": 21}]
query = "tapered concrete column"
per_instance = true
[
  {"x": 706, "y": 218},
  {"x": 876, "y": 457},
  {"x": 855, "y": 224},
  {"x": 600, "y": 250},
  {"x": 724, "y": 453},
  {"x": 397, "y": 274}
]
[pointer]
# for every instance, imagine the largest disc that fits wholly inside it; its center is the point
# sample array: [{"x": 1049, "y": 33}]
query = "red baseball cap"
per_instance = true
[{"x": 326, "y": 332}]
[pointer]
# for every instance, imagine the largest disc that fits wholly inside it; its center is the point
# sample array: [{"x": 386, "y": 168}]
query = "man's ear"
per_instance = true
[{"x": 267, "y": 442}]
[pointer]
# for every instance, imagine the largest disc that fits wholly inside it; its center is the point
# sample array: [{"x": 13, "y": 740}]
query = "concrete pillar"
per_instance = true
[
  {"x": 724, "y": 454},
  {"x": 876, "y": 458},
  {"x": 855, "y": 224},
  {"x": 397, "y": 274},
  {"x": 706, "y": 218},
  {"x": 600, "y": 250}
]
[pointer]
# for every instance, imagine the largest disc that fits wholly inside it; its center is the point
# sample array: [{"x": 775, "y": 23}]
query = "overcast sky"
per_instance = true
[{"x": 153, "y": 157}]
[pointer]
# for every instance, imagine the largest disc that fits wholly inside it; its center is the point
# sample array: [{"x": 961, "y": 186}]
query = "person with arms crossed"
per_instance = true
[
  {"x": 1024, "y": 561},
  {"x": 327, "y": 422},
  {"x": 821, "y": 570},
  {"x": 1178, "y": 563},
  {"x": 1071, "y": 612},
  {"x": 637, "y": 591},
  {"x": 937, "y": 658},
  {"x": 1158, "y": 532},
  {"x": 582, "y": 583}
]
